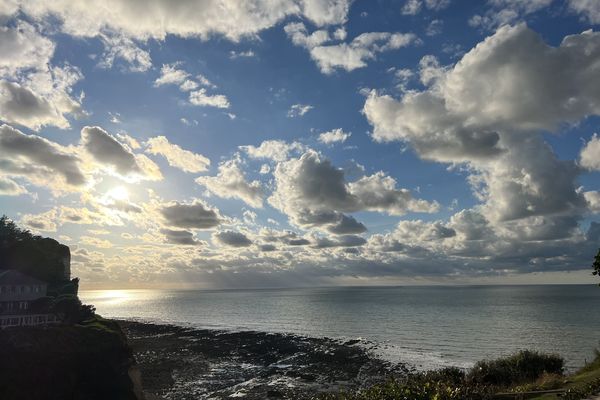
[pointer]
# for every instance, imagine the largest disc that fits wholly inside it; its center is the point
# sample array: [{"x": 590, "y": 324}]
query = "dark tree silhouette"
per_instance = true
[{"x": 596, "y": 264}]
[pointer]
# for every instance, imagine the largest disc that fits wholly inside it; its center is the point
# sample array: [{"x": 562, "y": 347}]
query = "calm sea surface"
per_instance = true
[{"x": 426, "y": 327}]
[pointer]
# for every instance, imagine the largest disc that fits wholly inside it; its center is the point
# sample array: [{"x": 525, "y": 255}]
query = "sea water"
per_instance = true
[{"x": 425, "y": 327}]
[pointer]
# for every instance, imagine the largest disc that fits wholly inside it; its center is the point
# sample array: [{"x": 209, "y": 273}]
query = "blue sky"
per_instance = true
[{"x": 305, "y": 142}]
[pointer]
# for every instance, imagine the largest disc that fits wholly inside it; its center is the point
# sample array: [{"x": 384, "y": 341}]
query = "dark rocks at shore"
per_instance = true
[{"x": 181, "y": 363}]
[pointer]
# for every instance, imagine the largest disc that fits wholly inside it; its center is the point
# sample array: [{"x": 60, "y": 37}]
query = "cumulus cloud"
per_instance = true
[
  {"x": 45, "y": 221},
  {"x": 33, "y": 92},
  {"x": 487, "y": 111},
  {"x": 312, "y": 192},
  {"x": 37, "y": 159},
  {"x": 590, "y": 154},
  {"x": 22, "y": 48},
  {"x": 588, "y": 9},
  {"x": 177, "y": 157},
  {"x": 231, "y": 182},
  {"x": 180, "y": 237},
  {"x": 107, "y": 150},
  {"x": 9, "y": 187},
  {"x": 298, "y": 110},
  {"x": 503, "y": 12},
  {"x": 340, "y": 241},
  {"x": 203, "y": 19},
  {"x": 171, "y": 74},
  {"x": 232, "y": 238},
  {"x": 202, "y": 98},
  {"x": 196, "y": 215},
  {"x": 413, "y": 7},
  {"x": 593, "y": 200},
  {"x": 119, "y": 47},
  {"x": 276, "y": 150},
  {"x": 334, "y": 136},
  {"x": 346, "y": 56}
]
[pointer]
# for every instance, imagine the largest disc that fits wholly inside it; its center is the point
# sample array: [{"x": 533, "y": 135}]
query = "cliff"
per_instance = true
[{"x": 84, "y": 361}]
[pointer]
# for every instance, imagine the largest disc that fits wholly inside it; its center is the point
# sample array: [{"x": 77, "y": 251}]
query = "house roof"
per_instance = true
[{"x": 14, "y": 277}]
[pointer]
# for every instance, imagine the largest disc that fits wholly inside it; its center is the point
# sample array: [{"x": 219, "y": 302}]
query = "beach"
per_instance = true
[{"x": 185, "y": 363}]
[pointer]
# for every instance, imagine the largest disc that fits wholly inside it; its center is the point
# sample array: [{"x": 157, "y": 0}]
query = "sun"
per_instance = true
[{"x": 118, "y": 193}]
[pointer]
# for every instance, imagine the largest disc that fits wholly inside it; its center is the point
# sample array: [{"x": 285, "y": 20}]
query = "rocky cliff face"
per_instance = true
[
  {"x": 41, "y": 258},
  {"x": 90, "y": 361}
]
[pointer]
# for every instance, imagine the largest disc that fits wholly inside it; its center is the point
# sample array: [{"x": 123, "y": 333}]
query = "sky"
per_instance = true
[{"x": 278, "y": 143}]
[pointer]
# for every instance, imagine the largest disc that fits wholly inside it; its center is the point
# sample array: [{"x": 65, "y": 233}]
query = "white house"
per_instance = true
[{"x": 17, "y": 292}]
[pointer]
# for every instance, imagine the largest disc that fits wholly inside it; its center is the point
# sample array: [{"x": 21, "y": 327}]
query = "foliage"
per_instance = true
[
  {"x": 596, "y": 264},
  {"x": 41, "y": 258},
  {"x": 524, "y": 366},
  {"x": 480, "y": 383},
  {"x": 69, "y": 309},
  {"x": 445, "y": 384}
]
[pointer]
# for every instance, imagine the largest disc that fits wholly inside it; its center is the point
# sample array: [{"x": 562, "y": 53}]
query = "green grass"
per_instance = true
[
  {"x": 581, "y": 384},
  {"x": 524, "y": 371}
]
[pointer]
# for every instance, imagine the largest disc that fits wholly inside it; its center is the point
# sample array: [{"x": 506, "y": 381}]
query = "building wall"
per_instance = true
[
  {"x": 26, "y": 320},
  {"x": 22, "y": 292}
]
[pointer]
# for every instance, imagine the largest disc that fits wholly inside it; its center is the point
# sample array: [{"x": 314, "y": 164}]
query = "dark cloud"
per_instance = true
[
  {"x": 191, "y": 216},
  {"x": 314, "y": 193},
  {"x": 267, "y": 247},
  {"x": 340, "y": 241},
  {"x": 180, "y": 237},
  {"x": 22, "y": 106},
  {"x": 37, "y": 152},
  {"x": 347, "y": 225},
  {"x": 233, "y": 239},
  {"x": 107, "y": 150}
]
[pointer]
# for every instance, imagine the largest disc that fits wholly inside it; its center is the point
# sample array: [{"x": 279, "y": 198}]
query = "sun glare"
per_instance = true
[{"x": 118, "y": 193}]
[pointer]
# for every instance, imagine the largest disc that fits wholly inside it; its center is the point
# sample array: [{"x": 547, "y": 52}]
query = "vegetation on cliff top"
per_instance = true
[{"x": 36, "y": 256}]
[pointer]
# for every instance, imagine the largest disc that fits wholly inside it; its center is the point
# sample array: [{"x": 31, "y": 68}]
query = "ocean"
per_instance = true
[{"x": 425, "y": 327}]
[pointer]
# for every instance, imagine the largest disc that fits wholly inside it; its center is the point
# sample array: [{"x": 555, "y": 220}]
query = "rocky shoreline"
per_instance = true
[{"x": 184, "y": 363}]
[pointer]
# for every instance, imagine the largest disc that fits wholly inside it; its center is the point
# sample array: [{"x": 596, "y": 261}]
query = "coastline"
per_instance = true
[{"x": 183, "y": 363}]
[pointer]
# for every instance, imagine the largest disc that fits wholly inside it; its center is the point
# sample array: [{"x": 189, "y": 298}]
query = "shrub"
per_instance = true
[{"x": 524, "y": 366}]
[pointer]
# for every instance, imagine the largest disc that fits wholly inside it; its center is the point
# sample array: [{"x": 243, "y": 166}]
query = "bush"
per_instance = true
[
  {"x": 70, "y": 309},
  {"x": 524, "y": 366}
]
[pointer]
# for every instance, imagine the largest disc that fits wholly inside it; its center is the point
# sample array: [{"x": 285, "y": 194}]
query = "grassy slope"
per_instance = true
[{"x": 585, "y": 380}]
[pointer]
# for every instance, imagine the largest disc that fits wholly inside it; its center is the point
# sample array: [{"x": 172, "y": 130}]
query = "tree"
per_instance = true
[{"x": 596, "y": 264}]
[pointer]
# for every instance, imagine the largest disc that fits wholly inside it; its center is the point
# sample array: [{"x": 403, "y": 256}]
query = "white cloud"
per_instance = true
[
  {"x": 33, "y": 92},
  {"x": 434, "y": 28},
  {"x": 593, "y": 200},
  {"x": 118, "y": 47},
  {"x": 22, "y": 48},
  {"x": 276, "y": 150},
  {"x": 508, "y": 83},
  {"x": 590, "y": 154},
  {"x": 313, "y": 193},
  {"x": 298, "y": 110},
  {"x": 9, "y": 187},
  {"x": 334, "y": 136},
  {"x": 171, "y": 75},
  {"x": 201, "y": 98},
  {"x": 177, "y": 157},
  {"x": 347, "y": 56},
  {"x": 413, "y": 7},
  {"x": 589, "y": 9},
  {"x": 487, "y": 111},
  {"x": 231, "y": 182},
  {"x": 503, "y": 12},
  {"x": 241, "y": 54},
  {"x": 202, "y": 19}
]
